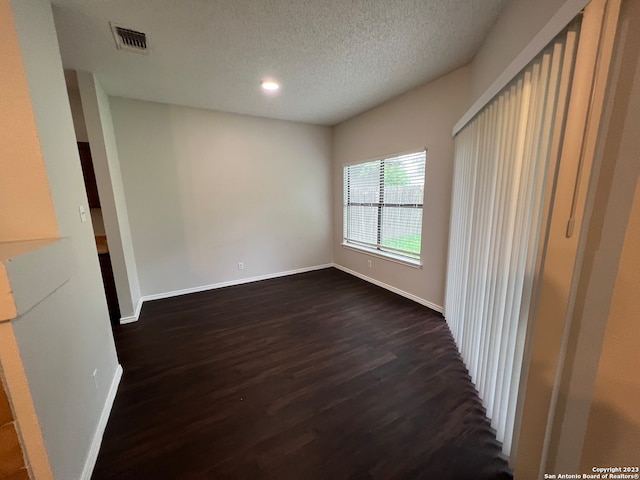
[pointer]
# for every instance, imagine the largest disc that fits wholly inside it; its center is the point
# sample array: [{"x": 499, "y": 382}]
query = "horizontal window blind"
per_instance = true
[
  {"x": 502, "y": 159},
  {"x": 383, "y": 202}
]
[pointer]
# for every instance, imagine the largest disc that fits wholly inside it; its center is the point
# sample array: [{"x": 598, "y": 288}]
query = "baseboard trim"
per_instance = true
[
  {"x": 402, "y": 293},
  {"x": 135, "y": 316},
  {"x": 90, "y": 462},
  {"x": 231, "y": 283}
]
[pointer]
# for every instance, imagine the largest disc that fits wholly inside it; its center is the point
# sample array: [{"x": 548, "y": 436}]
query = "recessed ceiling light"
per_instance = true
[{"x": 270, "y": 85}]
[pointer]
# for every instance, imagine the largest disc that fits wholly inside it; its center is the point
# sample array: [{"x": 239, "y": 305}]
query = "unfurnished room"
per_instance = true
[{"x": 291, "y": 239}]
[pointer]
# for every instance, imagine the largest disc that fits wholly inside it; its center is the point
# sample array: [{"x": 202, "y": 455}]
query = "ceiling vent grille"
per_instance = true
[{"x": 129, "y": 39}]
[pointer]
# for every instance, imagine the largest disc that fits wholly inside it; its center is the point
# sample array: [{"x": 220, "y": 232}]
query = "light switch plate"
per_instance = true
[{"x": 83, "y": 213}]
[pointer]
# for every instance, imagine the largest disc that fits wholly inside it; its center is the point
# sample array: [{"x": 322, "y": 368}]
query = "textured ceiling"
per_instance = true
[{"x": 334, "y": 58}]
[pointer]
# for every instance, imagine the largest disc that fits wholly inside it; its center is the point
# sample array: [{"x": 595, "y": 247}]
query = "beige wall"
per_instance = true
[
  {"x": 611, "y": 195},
  {"x": 423, "y": 117},
  {"x": 613, "y": 426},
  {"x": 67, "y": 335},
  {"x": 613, "y": 431},
  {"x": 515, "y": 27},
  {"x": 76, "y": 111},
  {"x": 26, "y": 210},
  {"x": 113, "y": 203},
  {"x": 206, "y": 190}
]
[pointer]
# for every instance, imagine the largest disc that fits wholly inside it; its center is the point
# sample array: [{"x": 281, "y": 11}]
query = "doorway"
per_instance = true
[{"x": 102, "y": 245}]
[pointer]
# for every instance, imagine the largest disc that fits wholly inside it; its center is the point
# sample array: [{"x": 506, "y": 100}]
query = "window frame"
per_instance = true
[{"x": 380, "y": 250}]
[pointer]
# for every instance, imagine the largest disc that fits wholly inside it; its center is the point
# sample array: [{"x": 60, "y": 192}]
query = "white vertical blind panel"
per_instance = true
[{"x": 499, "y": 181}]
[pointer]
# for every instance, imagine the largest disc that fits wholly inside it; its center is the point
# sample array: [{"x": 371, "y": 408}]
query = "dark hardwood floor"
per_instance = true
[{"x": 314, "y": 376}]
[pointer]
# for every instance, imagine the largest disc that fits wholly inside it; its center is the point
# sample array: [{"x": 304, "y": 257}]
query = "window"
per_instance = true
[{"x": 383, "y": 205}]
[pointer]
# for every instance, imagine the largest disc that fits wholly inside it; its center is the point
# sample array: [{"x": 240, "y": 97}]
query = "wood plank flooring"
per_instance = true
[{"x": 313, "y": 376}]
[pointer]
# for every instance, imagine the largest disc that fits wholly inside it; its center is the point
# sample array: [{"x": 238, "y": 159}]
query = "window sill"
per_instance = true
[{"x": 384, "y": 255}]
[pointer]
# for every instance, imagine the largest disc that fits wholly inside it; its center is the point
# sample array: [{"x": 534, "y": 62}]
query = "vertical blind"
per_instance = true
[
  {"x": 502, "y": 160},
  {"x": 383, "y": 202}
]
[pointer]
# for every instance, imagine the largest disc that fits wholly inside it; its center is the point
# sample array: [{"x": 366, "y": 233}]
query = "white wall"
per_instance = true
[
  {"x": 423, "y": 117},
  {"x": 67, "y": 335},
  {"x": 77, "y": 113},
  {"x": 206, "y": 190},
  {"x": 113, "y": 203}
]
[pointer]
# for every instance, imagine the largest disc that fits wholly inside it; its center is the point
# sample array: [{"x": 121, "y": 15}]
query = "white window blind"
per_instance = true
[
  {"x": 503, "y": 159},
  {"x": 383, "y": 202}
]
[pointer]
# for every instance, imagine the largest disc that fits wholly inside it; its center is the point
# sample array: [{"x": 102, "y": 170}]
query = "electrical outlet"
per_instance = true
[
  {"x": 240, "y": 266},
  {"x": 95, "y": 378},
  {"x": 369, "y": 263}
]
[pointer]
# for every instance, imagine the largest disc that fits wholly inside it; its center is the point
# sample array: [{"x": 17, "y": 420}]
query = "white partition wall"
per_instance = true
[{"x": 504, "y": 163}]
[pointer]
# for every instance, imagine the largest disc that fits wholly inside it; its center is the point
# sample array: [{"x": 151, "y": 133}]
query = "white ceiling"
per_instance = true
[{"x": 334, "y": 58}]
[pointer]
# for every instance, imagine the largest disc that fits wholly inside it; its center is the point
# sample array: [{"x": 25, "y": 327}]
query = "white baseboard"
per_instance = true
[
  {"x": 213, "y": 286},
  {"x": 204, "y": 288},
  {"x": 135, "y": 316},
  {"x": 408, "y": 295},
  {"x": 90, "y": 462}
]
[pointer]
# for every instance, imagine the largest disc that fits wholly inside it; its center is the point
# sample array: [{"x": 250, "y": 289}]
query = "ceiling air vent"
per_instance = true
[{"x": 129, "y": 39}]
